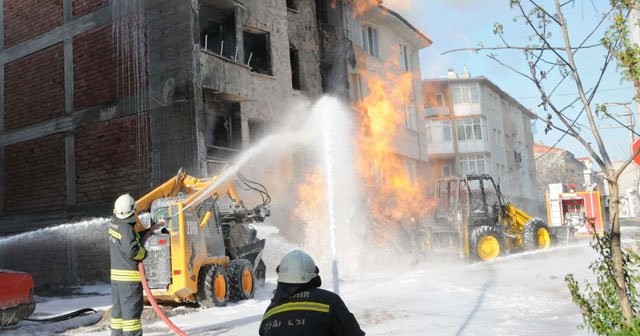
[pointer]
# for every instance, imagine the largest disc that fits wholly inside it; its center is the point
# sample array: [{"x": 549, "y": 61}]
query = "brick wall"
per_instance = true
[
  {"x": 112, "y": 158},
  {"x": 99, "y": 76},
  {"x": 35, "y": 175},
  {"x": 24, "y": 19},
  {"x": 60, "y": 255},
  {"x": 82, "y": 7},
  {"x": 34, "y": 87}
]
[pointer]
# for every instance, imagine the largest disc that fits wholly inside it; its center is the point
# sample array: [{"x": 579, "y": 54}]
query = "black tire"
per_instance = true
[
  {"x": 213, "y": 286},
  {"x": 260, "y": 273},
  {"x": 536, "y": 235},
  {"x": 486, "y": 243},
  {"x": 241, "y": 280}
]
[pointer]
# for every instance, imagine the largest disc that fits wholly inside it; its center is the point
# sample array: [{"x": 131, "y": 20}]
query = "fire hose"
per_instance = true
[{"x": 153, "y": 301}]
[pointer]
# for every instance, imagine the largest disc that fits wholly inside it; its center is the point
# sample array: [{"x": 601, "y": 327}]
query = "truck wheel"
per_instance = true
[
  {"x": 535, "y": 235},
  {"x": 486, "y": 243},
  {"x": 242, "y": 280},
  {"x": 213, "y": 286}
]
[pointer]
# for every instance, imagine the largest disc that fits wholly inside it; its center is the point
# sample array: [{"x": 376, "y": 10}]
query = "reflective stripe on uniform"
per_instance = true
[
  {"x": 305, "y": 305},
  {"x": 140, "y": 255},
  {"x": 131, "y": 325},
  {"x": 115, "y": 234},
  {"x": 125, "y": 275},
  {"x": 116, "y": 323}
]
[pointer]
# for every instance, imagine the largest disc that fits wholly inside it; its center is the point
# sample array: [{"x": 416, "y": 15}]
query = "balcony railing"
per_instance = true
[
  {"x": 436, "y": 111},
  {"x": 218, "y": 153}
]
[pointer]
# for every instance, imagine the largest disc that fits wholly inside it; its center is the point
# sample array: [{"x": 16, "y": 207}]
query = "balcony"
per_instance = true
[
  {"x": 436, "y": 111},
  {"x": 220, "y": 154}
]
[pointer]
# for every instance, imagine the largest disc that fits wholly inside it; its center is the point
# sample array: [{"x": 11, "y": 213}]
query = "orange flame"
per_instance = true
[{"x": 394, "y": 195}]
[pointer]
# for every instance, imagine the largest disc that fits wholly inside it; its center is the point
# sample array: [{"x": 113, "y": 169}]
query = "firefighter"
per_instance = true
[
  {"x": 126, "y": 252},
  {"x": 300, "y": 307}
]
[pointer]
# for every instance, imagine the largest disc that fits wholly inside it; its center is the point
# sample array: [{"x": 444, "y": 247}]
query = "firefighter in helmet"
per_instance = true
[
  {"x": 300, "y": 307},
  {"x": 126, "y": 252}
]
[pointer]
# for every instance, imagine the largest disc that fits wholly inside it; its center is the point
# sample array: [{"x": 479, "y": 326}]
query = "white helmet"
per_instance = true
[
  {"x": 124, "y": 207},
  {"x": 296, "y": 267}
]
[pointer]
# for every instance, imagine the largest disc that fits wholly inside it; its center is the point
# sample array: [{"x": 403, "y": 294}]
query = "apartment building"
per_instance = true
[
  {"x": 386, "y": 46},
  {"x": 473, "y": 126}
]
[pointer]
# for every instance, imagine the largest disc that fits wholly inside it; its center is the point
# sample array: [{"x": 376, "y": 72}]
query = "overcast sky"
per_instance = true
[{"x": 454, "y": 24}]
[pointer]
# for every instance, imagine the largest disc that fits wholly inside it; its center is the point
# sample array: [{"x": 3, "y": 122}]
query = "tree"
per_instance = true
[{"x": 551, "y": 54}]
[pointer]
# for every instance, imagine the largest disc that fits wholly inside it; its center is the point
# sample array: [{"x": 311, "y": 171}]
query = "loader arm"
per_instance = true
[
  {"x": 198, "y": 189},
  {"x": 517, "y": 216}
]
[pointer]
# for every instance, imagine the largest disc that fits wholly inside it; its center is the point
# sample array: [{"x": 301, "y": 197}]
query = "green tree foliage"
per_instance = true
[{"x": 599, "y": 302}]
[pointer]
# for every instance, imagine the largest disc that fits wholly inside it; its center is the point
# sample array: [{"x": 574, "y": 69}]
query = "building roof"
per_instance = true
[
  {"x": 540, "y": 148},
  {"x": 423, "y": 38}
]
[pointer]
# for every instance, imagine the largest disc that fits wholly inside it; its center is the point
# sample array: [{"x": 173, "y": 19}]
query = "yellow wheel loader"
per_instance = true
[
  {"x": 201, "y": 246},
  {"x": 473, "y": 221}
]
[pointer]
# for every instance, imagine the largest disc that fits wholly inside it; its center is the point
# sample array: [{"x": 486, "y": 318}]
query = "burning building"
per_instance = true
[{"x": 103, "y": 97}]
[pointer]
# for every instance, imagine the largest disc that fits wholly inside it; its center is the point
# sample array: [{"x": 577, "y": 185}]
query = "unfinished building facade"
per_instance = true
[{"x": 114, "y": 96}]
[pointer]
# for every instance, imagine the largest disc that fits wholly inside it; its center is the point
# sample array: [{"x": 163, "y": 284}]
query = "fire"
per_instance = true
[{"x": 393, "y": 195}]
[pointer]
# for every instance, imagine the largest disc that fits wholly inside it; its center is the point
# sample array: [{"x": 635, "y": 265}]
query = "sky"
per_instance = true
[{"x": 455, "y": 24}]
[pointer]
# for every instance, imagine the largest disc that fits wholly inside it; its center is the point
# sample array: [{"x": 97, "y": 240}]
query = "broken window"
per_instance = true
[
  {"x": 257, "y": 53},
  {"x": 257, "y": 130},
  {"x": 224, "y": 127},
  {"x": 295, "y": 68},
  {"x": 292, "y": 4},
  {"x": 218, "y": 30}
]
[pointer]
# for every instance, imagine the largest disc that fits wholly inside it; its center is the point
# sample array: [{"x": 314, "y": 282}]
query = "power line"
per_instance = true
[{"x": 574, "y": 94}]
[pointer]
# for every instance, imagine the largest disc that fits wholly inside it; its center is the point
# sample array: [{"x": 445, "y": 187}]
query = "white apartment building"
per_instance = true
[
  {"x": 474, "y": 127},
  {"x": 386, "y": 45}
]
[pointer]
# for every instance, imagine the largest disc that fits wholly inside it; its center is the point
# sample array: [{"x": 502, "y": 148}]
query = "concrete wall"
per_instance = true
[{"x": 171, "y": 29}]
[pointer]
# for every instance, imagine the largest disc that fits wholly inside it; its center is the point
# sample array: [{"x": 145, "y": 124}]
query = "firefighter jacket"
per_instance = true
[
  {"x": 125, "y": 249},
  {"x": 305, "y": 309}
]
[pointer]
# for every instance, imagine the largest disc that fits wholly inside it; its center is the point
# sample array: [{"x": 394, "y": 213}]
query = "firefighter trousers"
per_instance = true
[{"x": 127, "y": 301}]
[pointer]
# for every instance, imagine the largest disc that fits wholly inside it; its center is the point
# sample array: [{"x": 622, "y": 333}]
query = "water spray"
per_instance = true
[{"x": 329, "y": 165}]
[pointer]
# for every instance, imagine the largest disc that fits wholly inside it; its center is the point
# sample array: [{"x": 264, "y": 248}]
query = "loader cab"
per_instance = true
[{"x": 485, "y": 200}]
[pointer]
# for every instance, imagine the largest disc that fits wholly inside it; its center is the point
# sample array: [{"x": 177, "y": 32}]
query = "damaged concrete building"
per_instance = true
[{"x": 104, "y": 97}]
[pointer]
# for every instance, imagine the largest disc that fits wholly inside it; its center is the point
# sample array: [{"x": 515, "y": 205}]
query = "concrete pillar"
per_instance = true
[
  {"x": 69, "y": 138},
  {"x": 1, "y": 24},
  {"x": 2, "y": 188}
]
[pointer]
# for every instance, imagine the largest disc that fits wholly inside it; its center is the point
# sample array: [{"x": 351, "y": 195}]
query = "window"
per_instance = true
[
  {"x": 411, "y": 169},
  {"x": 428, "y": 135},
  {"x": 218, "y": 31},
  {"x": 495, "y": 137},
  {"x": 439, "y": 99},
  {"x": 356, "y": 88},
  {"x": 292, "y": 4},
  {"x": 473, "y": 164},
  {"x": 257, "y": 53},
  {"x": 404, "y": 57},
  {"x": 471, "y": 129},
  {"x": 446, "y": 130},
  {"x": 295, "y": 68},
  {"x": 410, "y": 116},
  {"x": 465, "y": 93},
  {"x": 370, "y": 40},
  {"x": 446, "y": 170}
]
